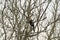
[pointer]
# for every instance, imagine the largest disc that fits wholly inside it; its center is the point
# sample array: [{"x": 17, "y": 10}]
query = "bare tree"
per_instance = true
[{"x": 28, "y": 20}]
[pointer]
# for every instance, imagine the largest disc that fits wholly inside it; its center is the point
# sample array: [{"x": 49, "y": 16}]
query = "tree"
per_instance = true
[{"x": 19, "y": 17}]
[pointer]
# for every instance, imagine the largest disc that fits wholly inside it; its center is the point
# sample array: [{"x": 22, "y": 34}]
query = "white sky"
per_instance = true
[{"x": 49, "y": 14}]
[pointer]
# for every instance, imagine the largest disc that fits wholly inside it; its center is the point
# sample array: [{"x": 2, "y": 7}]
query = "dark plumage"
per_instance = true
[{"x": 32, "y": 24}]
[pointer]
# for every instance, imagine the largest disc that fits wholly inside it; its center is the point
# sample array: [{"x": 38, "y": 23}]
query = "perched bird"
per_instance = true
[
  {"x": 30, "y": 21},
  {"x": 32, "y": 24}
]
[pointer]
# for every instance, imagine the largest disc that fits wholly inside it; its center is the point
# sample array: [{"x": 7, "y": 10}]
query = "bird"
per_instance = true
[
  {"x": 30, "y": 21},
  {"x": 32, "y": 24}
]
